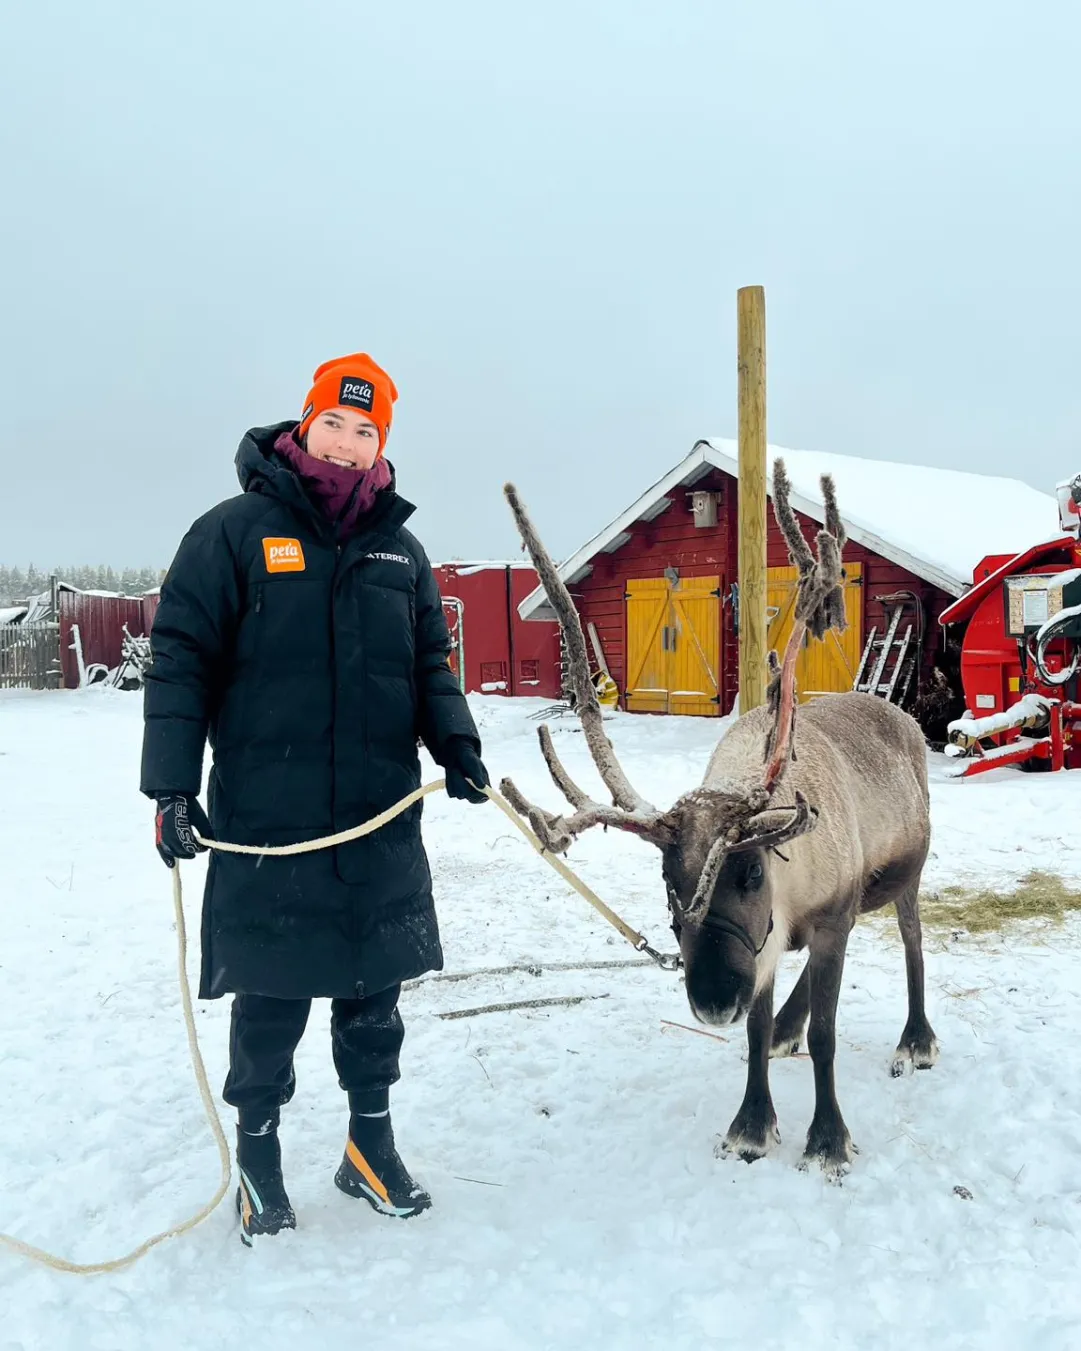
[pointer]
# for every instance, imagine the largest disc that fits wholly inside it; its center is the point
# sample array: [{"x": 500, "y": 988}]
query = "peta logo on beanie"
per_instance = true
[
  {"x": 283, "y": 555},
  {"x": 356, "y": 393}
]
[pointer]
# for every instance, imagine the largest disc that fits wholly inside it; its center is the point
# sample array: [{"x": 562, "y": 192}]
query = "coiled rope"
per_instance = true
[{"x": 666, "y": 962}]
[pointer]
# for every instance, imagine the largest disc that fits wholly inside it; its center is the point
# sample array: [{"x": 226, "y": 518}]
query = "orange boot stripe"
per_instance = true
[{"x": 364, "y": 1168}]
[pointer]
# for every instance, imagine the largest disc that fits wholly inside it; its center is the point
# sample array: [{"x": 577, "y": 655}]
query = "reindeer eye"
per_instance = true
[{"x": 754, "y": 876}]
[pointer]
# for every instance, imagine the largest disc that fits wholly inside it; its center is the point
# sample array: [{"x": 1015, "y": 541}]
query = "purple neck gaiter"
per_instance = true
[{"x": 343, "y": 495}]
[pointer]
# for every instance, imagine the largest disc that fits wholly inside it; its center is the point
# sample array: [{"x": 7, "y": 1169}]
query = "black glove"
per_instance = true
[
  {"x": 177, "y": 815},
  {"x": 462, "y": 763}
]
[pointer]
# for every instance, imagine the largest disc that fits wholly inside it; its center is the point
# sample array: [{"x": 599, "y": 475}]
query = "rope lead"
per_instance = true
[{"x": 665, "y": 962}]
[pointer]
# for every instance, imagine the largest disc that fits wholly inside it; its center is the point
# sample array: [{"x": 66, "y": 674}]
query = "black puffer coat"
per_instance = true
[{"x": 313, "y": 668}]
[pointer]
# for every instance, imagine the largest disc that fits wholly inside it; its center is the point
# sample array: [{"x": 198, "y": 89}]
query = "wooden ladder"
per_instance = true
[{"x": 888, "y": 663}]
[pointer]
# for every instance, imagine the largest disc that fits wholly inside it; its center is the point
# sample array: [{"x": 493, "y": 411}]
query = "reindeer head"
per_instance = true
[
  {"x": 718, "y": 845},
  {"x": 718, "y": 872}
]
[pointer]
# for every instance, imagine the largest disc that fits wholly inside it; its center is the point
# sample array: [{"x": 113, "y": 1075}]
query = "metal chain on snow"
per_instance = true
[{"x": 667, "y": 962}]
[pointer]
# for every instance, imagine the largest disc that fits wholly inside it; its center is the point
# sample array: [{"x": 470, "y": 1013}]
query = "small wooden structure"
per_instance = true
[
  {"x": 495, "y": 652},
  {"x": 661, "y": 581},
  {"x": 37, "y": 641},
  {"x": 101, "y": 620}
]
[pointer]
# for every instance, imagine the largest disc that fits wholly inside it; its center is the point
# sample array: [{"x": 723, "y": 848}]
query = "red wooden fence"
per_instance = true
[
  {"x": 503, "y": 654},
  {"x": 101, "y": 621}
]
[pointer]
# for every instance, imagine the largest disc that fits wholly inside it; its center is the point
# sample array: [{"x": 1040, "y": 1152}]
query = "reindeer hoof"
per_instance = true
[
  {"x": 918, "y": 1053},
  {"x": 834, "y": 1167},
  {"x": 833, "y": 1170},
  {"x": 786, "y": 1046},
  {"x": 901, "y": 1064},
  {"x": 748, "y": 1143},
  {"x": 831, "y": 1149}
]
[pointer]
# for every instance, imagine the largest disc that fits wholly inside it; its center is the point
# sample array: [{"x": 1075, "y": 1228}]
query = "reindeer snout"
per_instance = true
[
  {"x": 720, "y": 977},
  {"x": 713, "y": 1014},
  {"x": 718, "y": 997},
  {"x": 716, "y": 1013}
]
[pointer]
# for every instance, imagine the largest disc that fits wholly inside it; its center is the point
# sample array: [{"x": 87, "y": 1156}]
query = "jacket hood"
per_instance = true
[{"x": 261, "y": 469}]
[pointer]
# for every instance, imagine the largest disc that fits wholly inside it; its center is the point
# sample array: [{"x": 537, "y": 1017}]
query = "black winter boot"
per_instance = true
[
  {"x": 372, "y": 1170},
  {"x": 261, "y": 1200}
]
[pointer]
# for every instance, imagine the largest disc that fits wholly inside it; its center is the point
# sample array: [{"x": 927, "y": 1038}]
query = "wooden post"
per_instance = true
[{"x": 751, "y": 308}]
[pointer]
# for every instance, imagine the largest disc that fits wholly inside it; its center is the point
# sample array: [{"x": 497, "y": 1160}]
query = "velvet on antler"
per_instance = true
[
  {"x": 629, "y": 810},
  {"x": 820, "y": 606}
]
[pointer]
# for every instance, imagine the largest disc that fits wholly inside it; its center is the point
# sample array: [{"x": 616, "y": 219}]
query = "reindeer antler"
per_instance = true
[
  {"x": 820, "y": 606},
  {"x": 629, "y": 810},
  {"x": 777, "y": 826}
]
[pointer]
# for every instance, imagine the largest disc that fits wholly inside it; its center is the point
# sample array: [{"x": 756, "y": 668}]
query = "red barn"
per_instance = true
[
  {"x": 493, "y": 648},
  {"x": 660, "y": 582}
]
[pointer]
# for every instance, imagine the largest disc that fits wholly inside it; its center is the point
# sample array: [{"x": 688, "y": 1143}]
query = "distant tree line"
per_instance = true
[{"x": 17, "y": 584}]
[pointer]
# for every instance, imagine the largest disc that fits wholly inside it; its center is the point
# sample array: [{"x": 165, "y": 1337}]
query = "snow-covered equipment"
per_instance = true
[
  {"x": 135, "y": 659},
  {"x": 1021, "y": 653},
  {"x": 748, "y": 875}
]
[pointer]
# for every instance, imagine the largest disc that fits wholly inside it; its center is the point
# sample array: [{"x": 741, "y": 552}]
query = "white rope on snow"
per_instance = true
[
  {"x": 119, "y": 1263},
  {"x": 304, "y": 847}
]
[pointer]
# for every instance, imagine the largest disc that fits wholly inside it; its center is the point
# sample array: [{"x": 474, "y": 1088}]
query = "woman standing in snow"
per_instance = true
[{"x": 300, "y": 630}]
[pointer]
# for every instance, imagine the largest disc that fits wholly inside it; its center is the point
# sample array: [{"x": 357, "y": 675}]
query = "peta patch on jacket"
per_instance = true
[
  {"x": 283, "y": 555},
  {"x": 356, "y": 393}
]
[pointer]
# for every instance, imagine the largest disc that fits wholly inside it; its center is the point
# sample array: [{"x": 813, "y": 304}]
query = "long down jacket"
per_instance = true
[{"x": 313, "y": 668}]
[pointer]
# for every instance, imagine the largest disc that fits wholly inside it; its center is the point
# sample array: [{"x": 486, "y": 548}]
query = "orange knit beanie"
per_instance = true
[{"x": 352, "y": 382}]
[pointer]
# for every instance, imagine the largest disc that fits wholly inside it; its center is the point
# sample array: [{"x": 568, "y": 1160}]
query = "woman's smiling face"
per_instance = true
[{"x": 344, "y": 437}]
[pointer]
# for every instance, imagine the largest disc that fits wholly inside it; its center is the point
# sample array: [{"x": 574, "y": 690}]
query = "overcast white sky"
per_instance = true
[{"x": 536, "y": 216}]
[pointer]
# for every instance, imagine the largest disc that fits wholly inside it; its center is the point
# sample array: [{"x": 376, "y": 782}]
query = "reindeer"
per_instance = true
[{"x": 751, "y": 875}]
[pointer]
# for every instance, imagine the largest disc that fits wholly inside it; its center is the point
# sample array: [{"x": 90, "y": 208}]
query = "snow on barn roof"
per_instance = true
[{"x": 936, "y": 523}]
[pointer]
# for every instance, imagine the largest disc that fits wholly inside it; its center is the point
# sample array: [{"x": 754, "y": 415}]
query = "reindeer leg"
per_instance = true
[
  {"x": 789, "y": 1023},
  {"x": 917, "y": 1047},
  {"x": 754, "y": 1129},
  {"x": 828, "y": 1142}
]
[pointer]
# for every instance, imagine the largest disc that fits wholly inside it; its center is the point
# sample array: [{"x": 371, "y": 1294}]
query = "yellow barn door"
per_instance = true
[
  {"x": 695, "y": 647},
  {"x": 674, "y": 646},
  {"x": 647, "y": 645},
  {"x": 827, "y": 667}
]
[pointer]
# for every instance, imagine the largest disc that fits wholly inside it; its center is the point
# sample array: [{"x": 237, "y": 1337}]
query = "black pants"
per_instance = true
[{"x": 365, "y": 1036}]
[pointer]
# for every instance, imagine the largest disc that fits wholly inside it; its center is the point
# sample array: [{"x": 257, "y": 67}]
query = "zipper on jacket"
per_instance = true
[
  {"x": 258, "y": 598},
  {"x": 348, "y": 507}
]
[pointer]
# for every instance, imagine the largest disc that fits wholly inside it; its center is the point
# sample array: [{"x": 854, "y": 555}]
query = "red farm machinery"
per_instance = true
[{"x": 1021, "y": 654}]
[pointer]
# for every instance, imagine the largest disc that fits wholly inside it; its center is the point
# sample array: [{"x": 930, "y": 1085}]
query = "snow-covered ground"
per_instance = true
[{"x": 569, "y": 1150}]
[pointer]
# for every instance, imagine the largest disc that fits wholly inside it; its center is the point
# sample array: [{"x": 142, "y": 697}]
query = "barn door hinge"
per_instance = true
[{"x": 716, "y": 592}]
